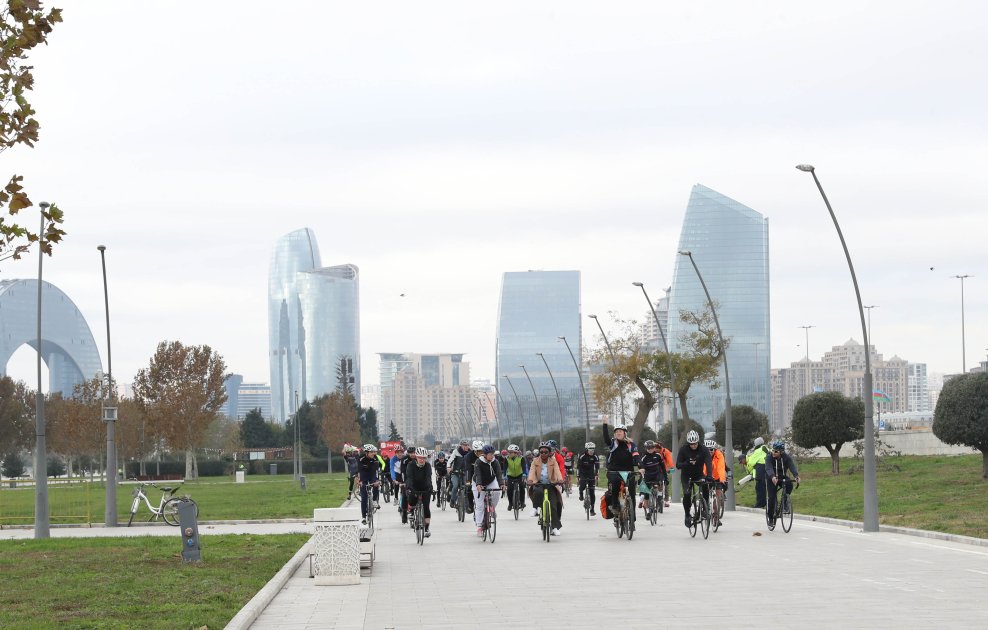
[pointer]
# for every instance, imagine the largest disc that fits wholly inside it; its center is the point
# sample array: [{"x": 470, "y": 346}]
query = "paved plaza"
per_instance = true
[{"x": 816, "y": 576}]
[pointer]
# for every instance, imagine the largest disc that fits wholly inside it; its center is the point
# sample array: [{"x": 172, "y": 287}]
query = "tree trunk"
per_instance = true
[
  {"x": 645, "y": 404},
  {"x": 188, "y": 464},
  {"x": 984, "y": 464},
  {"x": 682, "y": 407},
  {"x": 834, "y": 459}
]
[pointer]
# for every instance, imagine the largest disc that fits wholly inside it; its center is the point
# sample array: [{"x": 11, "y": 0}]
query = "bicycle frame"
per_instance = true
[{"x": 155, "y": 511}]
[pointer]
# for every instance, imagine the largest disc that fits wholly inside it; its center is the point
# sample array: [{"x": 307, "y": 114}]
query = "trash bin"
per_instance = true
[
  {"x": 241, "y": 476},
  {"x": 301, "y": 481},
  {"x": 336, "y": 546},
  {"x": 274, "y": 469}
]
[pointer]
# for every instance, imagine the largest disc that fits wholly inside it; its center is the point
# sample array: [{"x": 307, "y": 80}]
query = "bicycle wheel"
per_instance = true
[
  {"x": 694, "y": 514},
  {"x": 786, "y": 512},
  {"x": 662, "y": 498},
  {"x": 546, "y": 517},
  {"x": 386, "y": 491},
  {"x": 169, "y": 511},
  {"x": 654, "y": 505},
  {"x": 721, "y": 501},
  {"x": 717, "y": 508},
  {"x": 705, "y": 514},
  {"x": 770, "y": 518},
  {"x": 492, "y": 525},
  {"x": 461, "y": 504},
  {"x": 630, "y": 516}
]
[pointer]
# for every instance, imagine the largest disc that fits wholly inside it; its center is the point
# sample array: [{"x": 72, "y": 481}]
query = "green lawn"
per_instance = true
[
  {"x": 938, "y": 493},
  {"x": 219, "y": 498},
  {"x": 135, "y": 582}
]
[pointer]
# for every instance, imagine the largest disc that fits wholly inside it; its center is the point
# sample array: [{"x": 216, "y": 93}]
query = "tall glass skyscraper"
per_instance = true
[
  {"x": 536, "y": 308},
  {"x": 313, "y": 322},
  {"x": 729, "y": 242}
]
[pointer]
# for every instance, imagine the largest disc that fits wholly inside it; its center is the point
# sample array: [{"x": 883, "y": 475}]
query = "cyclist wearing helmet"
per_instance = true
[
  {"x": 545, "y": 470},
  {"x": 719, "y": 470},
  {"x": 456, "y": 470},
  {"x": 692, "y": 461},
  {"x": 418, "y": 478},
  {"x": 368, "y": 469},
  {"x": 587, "y": 469},
  {"x": 529, "y": 456},
  {"x": 502, "y": 459},
  {"x": 776, "y": 467},
  {"x": 469, "y": 460},
  {"x": 395, "y": 465},
  {"x": 515, "y": 471},
  {"x": 442, "y": 470},
  {"x": 486, "y": 475},
  {"x": 352, "y": 461},
  {"x": 670, "y": 465},
  {"x": 622, "y": 456},
  {"x": 653, "y": 469}
]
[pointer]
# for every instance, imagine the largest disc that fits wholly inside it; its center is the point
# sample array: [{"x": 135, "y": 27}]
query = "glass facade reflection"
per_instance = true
[
  {"x": 67, "y": 344},
  {"x": 313, "y": 320},
  {"x": 729, "y": 242},
  {"x": 536, "y": 308}
]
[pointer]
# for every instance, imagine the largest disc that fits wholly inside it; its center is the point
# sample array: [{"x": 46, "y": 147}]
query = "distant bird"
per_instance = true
[
  {"x": 931, "y": 268},
  {"x": 403, "y": 295}
]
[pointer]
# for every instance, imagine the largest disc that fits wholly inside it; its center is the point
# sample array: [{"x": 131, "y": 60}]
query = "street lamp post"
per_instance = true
[
  {"x": 728, "y": 424},
  {"x": 297, "y": 464},
  {"x": 110, "y": 513},
  {"x": 41, "y": 515},
  {"x": 538, "y": 407},
  {"x": 963, "y": 340},
  {"x": 672, "y": 381},
  {"x": 579, "y": 375},
  {"x": 613, "y": 361},
  {"x": 870, "y": 487},
  {"x": 558, "y": 400},
  {"x": 806, "y": 380},
  {"x": 521, "y": 413},
  {"x": 868, "y": 308}
]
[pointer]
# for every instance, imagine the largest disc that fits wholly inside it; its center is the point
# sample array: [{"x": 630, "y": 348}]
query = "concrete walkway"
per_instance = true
[{"x": 817, "y": 576}]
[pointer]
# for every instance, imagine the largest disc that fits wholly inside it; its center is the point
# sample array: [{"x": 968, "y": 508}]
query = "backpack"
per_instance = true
[{"x": 603, "y": 507}]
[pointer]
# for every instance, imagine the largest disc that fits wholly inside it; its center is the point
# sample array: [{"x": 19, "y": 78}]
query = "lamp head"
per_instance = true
[
  {"x": 561, "y": 338},
  {"x": 806, "y": 168},
  {"x": 592, "y": 316},
  {"x": 637, "y": 284},
  {"x": 538, "y": 354},
  {"x": 44, "y": 205},
  {"x": 102, "y": 248},
  {"x": 686, "y": 253}
]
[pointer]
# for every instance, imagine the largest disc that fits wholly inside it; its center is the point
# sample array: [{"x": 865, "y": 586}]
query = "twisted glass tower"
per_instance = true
[
  {"x": 313, "y": 323},
  {"x": 729, "y": 242},
  {"x": 536, "y": 308}
]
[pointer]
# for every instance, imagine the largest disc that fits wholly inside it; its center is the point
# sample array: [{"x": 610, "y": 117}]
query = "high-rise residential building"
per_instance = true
[
  {"x": 729, "y": 242},
  {"x": 314, "y": 323},
  {"x": 842, "y": 370},
  {"x": 242, "y": 397},
  {"x": 536, "y": 309},
  {"x": 919, "y": 388},
  {"x": 427, "y": 395}
]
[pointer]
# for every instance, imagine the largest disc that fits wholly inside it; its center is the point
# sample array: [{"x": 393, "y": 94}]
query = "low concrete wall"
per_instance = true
[{"x": 915, "y": 442}]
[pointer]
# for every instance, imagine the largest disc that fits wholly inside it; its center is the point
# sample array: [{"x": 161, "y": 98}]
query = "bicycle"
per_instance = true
[
  {"x": 700, "y": 509},
  {"x": 656, "y": 494},
  {"x": 624, "y": 524},
  {"x": 461, "y": 499},
  {"x": 716, "y": 507},
  {"x": 587, "y": 501},
  {"x": 517, "y": 495},
  {"x": 441, "y": 497},
  {"x": 371, "y": 504},
  {"x": 545, "y": 511},
  {"x": 167, "y": 505},
  {"x": 783, "y": 507},
  {"x": 489, "y": 522},
  {"x": 386, "y": 489},
  {"x": 418, "y": 515}
]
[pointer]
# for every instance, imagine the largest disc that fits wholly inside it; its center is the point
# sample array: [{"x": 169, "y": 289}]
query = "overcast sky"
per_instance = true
[{"x": 437, "y": 145}]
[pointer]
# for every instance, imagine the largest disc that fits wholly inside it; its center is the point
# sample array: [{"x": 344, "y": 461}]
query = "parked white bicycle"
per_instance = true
[{"x": 167, "y": 508}]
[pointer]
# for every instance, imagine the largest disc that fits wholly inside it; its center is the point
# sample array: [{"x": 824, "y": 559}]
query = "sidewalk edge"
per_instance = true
[{"x": 253, "y": 609}]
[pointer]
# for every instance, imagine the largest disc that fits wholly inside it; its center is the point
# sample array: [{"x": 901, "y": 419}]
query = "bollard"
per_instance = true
[
  {"x": 274, "y": 469},
  {"x": 336, "y": 544},
  {"x": 301, "y": 481},
  {"x": 188, "y": 525}
]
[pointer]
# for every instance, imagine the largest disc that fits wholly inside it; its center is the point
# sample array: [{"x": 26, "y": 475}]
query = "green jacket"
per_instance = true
[{"x": 756, "y": 457}]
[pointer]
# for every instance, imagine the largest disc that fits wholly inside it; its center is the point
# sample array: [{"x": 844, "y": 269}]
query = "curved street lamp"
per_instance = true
[
  {"x": 579, "y": 375},
  {"x": 728, "y": 425},
  {"x": 109, "y": 413},
  {"x": 538, "y": 407},
  {"x": 672, "y": 380},
  {"x": 558, "y": 400},
  {"x": 870, "y": 487},
  {"x": 613, "y": 361},
  {"x": 42, "y": 521}
]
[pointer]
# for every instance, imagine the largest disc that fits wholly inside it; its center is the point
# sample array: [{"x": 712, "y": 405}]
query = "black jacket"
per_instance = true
[
  {"x": 691, "y": 462},
  {"x": 622, "y": 456},
  {"x": 588, "y": 466},
  {"x": 418, "y": 478},
  {"x": 778, "y": 467},
  {"x": 486, "y": 472}
]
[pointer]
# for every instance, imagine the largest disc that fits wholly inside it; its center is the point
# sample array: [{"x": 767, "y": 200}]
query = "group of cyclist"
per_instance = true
[{"x": 480, "y": 467}]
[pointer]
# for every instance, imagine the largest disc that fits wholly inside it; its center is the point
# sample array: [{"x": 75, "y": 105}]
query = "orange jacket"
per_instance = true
[
  {"x": 719, "y": 466},
  {"x": 667, "y": 457}
]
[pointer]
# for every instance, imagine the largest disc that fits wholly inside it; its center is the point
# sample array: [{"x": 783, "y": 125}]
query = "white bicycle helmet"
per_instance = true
[
  {"x": 513, "y": 448},
  {"x": 420, "y": 452},
  {"x": 710, "y": 444},
  {"x": 477, "y": 445},
  {"x": 621, "y": 427},
  {"x": 370, "y": 447},
  {"x": 589, "y": 446},
  {"x": 692, "y": 437}
]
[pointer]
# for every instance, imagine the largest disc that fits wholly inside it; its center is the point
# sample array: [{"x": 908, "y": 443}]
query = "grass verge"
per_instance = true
[{"x": 135, "y": 582}]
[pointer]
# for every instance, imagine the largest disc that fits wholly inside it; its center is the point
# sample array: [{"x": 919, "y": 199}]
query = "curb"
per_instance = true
[
  {"x": 890, "y": 529},
  {"x": 253, "y": 609}
]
